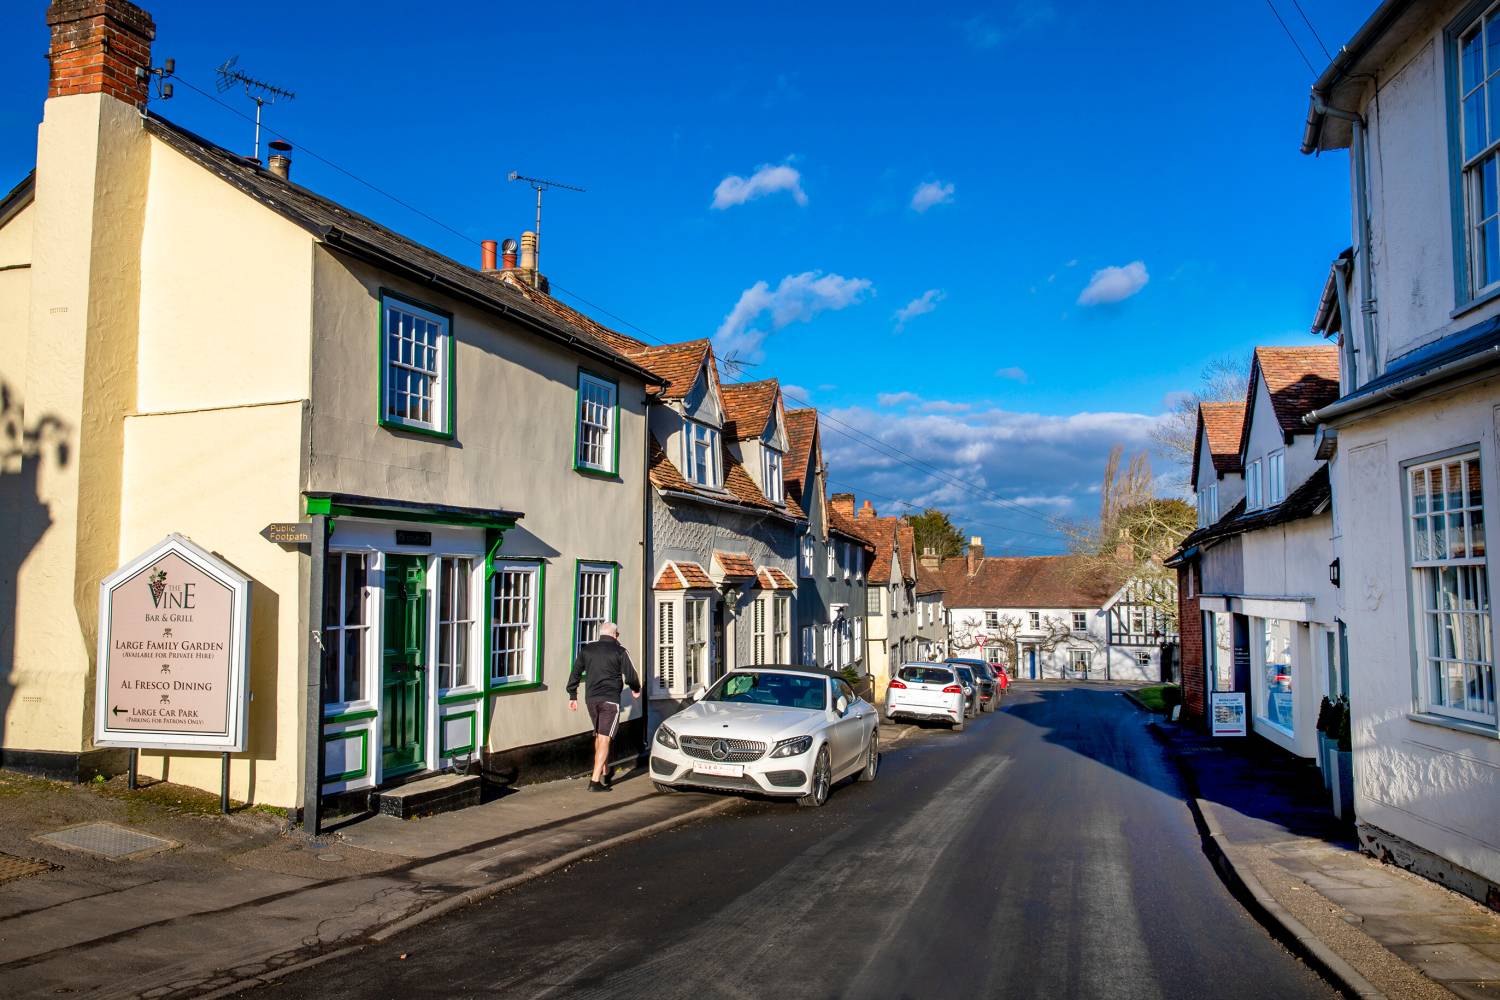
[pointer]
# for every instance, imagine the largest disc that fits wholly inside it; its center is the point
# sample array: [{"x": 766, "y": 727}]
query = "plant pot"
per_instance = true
[
  {"x": 1343, "y": 784},
  {"x": 1326, "y": 747}
]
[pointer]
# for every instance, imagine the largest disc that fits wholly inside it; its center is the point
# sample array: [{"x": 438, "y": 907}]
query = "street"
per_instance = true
[{"x": 1044, "y": 852}]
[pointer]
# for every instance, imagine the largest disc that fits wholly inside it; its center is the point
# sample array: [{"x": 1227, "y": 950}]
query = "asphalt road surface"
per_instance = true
[{"x": 1046, "y": 851}]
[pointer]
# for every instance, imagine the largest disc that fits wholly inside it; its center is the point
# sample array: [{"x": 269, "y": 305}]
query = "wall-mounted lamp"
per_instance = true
[{"x": 1333, "y": 572}]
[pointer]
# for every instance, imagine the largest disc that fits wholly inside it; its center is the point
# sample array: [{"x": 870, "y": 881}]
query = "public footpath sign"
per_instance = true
[
  {"x": 1228, "y": 713},
  {"x": 174, "y": 637}
]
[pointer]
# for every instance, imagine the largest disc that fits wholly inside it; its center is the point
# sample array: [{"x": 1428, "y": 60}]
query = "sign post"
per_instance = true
[{"x": 174, "y": 641}]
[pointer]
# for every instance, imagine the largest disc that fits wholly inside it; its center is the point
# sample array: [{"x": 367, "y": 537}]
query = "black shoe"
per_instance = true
[{"x": 598, "y": 786}]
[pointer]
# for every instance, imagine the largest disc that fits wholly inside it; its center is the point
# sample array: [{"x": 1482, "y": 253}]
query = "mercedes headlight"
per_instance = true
[
  {"x": 666, "y": 737},
  {"x": 793, "y": 747}
]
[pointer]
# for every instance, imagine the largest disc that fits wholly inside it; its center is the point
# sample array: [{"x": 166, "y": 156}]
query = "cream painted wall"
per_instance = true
[
  {"x": 513, "y": 449},
  {"x": 15, "y": 315},
  {"x": 92, "y": 159},
  {"x": 1433, "y": 785},
  {"x": 226, "y": 294},
  {"x": 180, "y": 476}
]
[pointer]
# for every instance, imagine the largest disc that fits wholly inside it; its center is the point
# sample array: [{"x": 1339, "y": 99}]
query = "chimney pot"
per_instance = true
[
  {"x": 508, "y": 255},
  {"x": 528, "y": 251},
  {"x": 866, "y": 512},
  {"x": 280, "y": 163},
  {"x": 487, "y": 255}
]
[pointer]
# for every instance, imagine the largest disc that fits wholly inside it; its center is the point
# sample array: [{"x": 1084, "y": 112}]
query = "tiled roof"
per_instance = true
[
  {"x": 748, "y": 406},
  {"x": 1299, "y": 379},
  {"x": 837, "y": 522},
  {"x": 1223, "y": 422},
  {"x": 683, "y": 576},
  {"x": 1023, "y": 582},
  {"x": 739, "y": 488},
  {"x": 802, "y": 433},
  {"x": 884, "y": 533},
  {"x": 928, "y": 581},
  {"x": 735, "y": 565},
  {"x": 679, "y": 364},
  {"x": 1306, "y": 500},
  {"x": 906, "y": 536},
  {"x": 619, "y": 341},
  {"x": 345, "y": 231},
  {"x": 771, "y": 578}
]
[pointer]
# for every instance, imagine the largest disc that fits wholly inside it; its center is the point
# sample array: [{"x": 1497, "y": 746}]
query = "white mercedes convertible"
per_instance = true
[{"x": 787, "y": 731}]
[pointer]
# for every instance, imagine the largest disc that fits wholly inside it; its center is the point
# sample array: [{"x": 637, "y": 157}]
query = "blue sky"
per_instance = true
[{"x": 1050, "y": 141}]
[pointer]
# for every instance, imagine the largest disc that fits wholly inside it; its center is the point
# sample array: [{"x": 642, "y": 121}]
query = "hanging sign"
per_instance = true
[
  {"x": 1227, "y": 713},
  {"x": 174, "y": 637}
]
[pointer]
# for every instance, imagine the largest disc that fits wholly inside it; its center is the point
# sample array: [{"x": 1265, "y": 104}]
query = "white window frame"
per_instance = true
[
  {"x": 332, "y": 636},
  {"x": 1275, "y": 478},
  {"x": 1252, "y": 486},
  {"x": 1208, "y": 505},
  {"x": 526, "y": 599},
  {"x": 809, "y": 645},
  {"x": 1034, "y": 620},
  {"x": 1479, "y": 225},
  {"x": 1449, "y": 584},
  {"x": 828, "y": 645},
  {"x": 770, "y": 468},
  {"x": 601, "y": 600},
  {"x": 809, "y": 558},
  {"x": 597, "y": 411},
  {"x": 703, "y": 470},
  {"x": 458, "y": 632},
  {"x": 407, "y": 330},
  {"x": 1080, "y": 622},
  {"x": 858, "y": 552},
  {"x": 844, "y": 558},
  {"x": 832, "y": 559},
  {"x": 992, "y": 619},
  {"x": 781, "y": 627},
  {"x": 1142, "y": 659},
  {"x": 1083, "y": 656}
]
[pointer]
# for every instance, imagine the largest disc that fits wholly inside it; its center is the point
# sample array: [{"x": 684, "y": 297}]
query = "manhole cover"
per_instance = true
[
  {"x": 107, "y": 840},
  {"x": 12, "y": 867}
]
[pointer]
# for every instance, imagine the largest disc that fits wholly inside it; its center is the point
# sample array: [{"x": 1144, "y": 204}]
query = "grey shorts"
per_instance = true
[{"x": 605, "y": 715}]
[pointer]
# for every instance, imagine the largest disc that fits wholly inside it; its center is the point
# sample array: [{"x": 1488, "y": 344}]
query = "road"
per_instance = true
[{"x": 1044, "y": 852}]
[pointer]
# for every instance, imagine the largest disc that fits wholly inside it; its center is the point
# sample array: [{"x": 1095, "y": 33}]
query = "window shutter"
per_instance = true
[
  {"x": 666, "y": 646},
  {"x": 760, "y": 630}
]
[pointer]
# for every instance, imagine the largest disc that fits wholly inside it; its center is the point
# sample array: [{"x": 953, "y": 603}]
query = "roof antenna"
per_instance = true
[
  {"x": 538, "y": 185},
  {"x": 259, "y": 91}
]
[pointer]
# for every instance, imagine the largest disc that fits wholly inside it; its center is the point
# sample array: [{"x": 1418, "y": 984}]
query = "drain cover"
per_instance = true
[
  {"x": 107, "y": 840},
  {"x": 12, "y": 867}
]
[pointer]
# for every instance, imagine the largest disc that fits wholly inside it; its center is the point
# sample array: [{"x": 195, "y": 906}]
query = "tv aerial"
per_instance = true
[
  {"x": 259, "y": 91},
  {"x": 539, "y": 185}
]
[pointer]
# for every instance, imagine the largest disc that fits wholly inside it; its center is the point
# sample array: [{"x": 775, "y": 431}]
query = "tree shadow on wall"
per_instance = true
[{"x": 24, "y": 517}]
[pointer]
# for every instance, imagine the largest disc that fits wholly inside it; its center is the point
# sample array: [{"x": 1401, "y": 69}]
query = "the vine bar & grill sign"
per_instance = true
[{"x": 174, "y": 631}]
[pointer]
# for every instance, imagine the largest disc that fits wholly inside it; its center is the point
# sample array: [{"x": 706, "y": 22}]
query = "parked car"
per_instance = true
[
  {"x": 984, "y": 678},
  {"x": 927, "y": 691},
  {"x": 773, "y": 730},
  {"x": 970, "y": 685}
]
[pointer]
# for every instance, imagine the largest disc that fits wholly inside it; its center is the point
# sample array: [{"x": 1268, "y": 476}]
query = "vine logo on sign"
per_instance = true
[{"x": 168, "y": 596}]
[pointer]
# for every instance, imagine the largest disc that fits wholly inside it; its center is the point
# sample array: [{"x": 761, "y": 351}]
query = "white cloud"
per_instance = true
[
  {"x": 945, "y": 406},
  {"x": 986, "y": 31},
  {"x": 1114, "y": 284},
  {"x": 796, "y": 299},
  {"x": 931, "y": 193},
  {"x": 768, "y": 178},
  {"x": 1013, "y": 373},
  {"x": 796, "y": 396},
  {"x": 921, "y": 305},
  {"x": 889, "y": 399}
]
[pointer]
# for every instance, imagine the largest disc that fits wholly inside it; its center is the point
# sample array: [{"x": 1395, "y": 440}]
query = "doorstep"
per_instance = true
[{"x": 429, "y": 796}]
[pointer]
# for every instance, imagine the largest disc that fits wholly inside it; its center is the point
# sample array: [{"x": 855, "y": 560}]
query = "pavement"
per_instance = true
[
  {"x": 1373, "y": 928},
  {"x": 1046, "y": 851},
  {"x": 239, "y": 900}
]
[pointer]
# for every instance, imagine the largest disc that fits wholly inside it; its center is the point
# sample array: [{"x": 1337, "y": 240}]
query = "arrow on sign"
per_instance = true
[{"x": 117, "y": 710}]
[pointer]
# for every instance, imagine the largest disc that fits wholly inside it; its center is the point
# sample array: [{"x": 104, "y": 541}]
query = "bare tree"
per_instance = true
[{"x": 1223, "y": 380}]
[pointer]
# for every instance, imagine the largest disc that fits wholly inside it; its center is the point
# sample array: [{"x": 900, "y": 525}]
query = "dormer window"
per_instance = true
[
  {"x": 701, "y": 461},
  {"x": 1208, "y": 505},
  {"x": 770, "y": 469},
  {"x": 1252, "y": 486}
]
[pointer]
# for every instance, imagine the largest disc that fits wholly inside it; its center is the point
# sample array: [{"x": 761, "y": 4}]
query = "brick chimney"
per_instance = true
[
  {"x": 843, "y": 503},
  {"x": 97, "y": 46},
  {"x": 930, "y": 560},
  {"x": 867, "y": 513},
  {"x": 975, "y": 556}
]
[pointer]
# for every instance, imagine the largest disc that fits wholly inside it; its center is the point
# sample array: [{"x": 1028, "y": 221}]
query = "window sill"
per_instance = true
[
  {"x": 1483, "y": 299},
  {"x": 1461, "y": 725},
  {"x": 460, "y": 695},
  {"x": 515, "y": 686},
  {"x": 427, "y": 432},
  {"x": 1278, "y": 727},
  {"x": 584, "y": 470},
  {"x": 352, "y": 712}
]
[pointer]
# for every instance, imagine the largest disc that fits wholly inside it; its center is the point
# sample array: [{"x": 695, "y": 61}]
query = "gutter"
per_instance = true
[
  {"x": 727, "y": 505},
  {"x": 1404, "y": 388},
  {"x": 1364, "y": 39}
]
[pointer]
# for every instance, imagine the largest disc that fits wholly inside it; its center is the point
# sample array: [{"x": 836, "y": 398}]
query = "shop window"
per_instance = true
[
  {"x": 346, "y": 626},
  {"x": 455, "y": 623},
  {"x": 1450, "y": 586},
  {"x": 416, "y": 358},
  {"x": 514, "y": 614},
  {"x": 1276, "y": 662}
]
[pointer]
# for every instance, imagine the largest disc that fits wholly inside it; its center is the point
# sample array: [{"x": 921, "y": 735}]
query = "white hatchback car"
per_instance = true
[
  {"x": 785, "y": 731},
  {"x": 926, "y": 691}
]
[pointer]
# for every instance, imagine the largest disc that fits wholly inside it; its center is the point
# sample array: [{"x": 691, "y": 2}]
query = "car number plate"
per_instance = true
[{"x": 720, "y": 770}]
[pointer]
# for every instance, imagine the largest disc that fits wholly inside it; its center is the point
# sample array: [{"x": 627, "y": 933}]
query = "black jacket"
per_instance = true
[{"x": 601, "y": 665}]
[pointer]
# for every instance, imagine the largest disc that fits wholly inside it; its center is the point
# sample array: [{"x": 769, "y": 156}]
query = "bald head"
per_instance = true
[{"x": 610, "y": 629}]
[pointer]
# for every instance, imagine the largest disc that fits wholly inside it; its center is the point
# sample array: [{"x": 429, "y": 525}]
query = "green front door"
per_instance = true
[{"x": 403, "y": 679}]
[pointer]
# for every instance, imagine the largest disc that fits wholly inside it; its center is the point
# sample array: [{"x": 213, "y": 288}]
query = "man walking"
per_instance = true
[{"x": 602, "y": 665}]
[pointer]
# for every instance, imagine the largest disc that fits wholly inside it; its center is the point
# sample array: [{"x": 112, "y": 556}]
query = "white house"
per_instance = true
[
  {"x": 1046, "y": 620},
  {"x": 1270, "y": 626},
  {"x": 1412, "y": 440}
]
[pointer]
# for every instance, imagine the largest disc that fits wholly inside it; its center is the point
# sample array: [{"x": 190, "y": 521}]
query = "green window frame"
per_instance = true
[
  {"x": 585, "y": 627},
  {"x": 534, "y": 571},
  {"x": 596, "y": 425},
  {"x": 415, "y": 384}
]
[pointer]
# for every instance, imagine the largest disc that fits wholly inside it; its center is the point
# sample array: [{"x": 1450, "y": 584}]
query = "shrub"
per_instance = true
[
  {"x": 1345, "y": 737},
  {"x": 1171, "y": 697},
  {"x": 1325, "y": 716}
]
